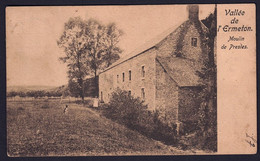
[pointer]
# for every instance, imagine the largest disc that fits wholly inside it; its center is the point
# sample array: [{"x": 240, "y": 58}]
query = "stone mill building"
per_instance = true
[{"x": 163, "y": 71}]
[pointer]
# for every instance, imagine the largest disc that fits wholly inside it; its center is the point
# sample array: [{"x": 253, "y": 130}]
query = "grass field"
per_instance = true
[{"x": 40, "y": 128}]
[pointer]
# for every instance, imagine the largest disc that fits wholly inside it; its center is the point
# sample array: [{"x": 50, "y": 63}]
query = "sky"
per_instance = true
[{"x": 32, "y": 33}]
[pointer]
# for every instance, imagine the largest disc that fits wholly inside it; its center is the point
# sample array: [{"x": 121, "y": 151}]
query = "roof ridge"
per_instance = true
[{"x": 146, "y": 46}]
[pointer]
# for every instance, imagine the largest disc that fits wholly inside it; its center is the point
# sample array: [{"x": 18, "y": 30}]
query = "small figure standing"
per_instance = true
[
  {"x": 38, "y": 132},
  {"x": 65, "y": 111}
]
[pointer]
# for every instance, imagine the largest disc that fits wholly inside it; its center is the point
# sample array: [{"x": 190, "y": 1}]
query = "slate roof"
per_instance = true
[
  {"x": 150, "y": 44},
  {"x": 182, "y": 71},
  {"x": 146, "y": 46}
]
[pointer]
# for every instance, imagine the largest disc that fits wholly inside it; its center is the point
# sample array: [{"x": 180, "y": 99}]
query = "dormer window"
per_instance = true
[{"x": 194, "y": 41}]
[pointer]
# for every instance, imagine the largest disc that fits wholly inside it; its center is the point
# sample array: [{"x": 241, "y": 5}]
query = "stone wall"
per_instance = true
[
  {"x": 166, "y": 96},
  {"x": 188, "y": 50},
  {"x": 169, "y": 44},
  {"x": 172, "y": 100},
  {"x": 188, "y": 104},
  {"x": 169, "y": 100},
  {"x": 198, "y": 53},
  {"x": 109, "y": 80},
  {"x": 160, "y": 93}
]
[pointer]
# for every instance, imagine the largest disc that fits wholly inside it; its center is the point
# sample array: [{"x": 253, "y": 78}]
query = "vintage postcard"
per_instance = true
[{"x": 131, "y": 80}]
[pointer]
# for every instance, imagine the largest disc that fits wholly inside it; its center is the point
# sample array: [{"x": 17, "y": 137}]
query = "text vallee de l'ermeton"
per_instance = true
[{"x": 234, "y": 21}]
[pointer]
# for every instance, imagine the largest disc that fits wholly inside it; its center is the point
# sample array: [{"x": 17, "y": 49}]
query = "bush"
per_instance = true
[
  {"x": 189, "y": 127},
  {"x": 125, "y": 109},
  {"x": 132, "y": 112}
]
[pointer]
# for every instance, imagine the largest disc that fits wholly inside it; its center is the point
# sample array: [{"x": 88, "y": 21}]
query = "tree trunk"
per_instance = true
[
  {"x": 81, "y": 84},
  {"x": 80, "y": 80},
  {"x": 82, "y": 96},
  {"x": 82, "y": 93},
  {"x": 96, "y": 84}
]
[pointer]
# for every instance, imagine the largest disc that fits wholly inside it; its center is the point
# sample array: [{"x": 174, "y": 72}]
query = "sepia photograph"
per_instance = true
[{"x": 111, "y": 80}]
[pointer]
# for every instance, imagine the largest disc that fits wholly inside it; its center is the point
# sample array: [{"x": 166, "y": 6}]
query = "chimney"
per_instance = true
[{"x": 193, "y": 12}]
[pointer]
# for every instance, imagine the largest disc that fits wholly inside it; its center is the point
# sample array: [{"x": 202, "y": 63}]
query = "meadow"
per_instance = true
[{"x": 39, "y": 127}]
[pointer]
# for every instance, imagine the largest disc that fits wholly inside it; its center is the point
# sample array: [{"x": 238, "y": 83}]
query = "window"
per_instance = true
[
  {"x": 143, "y": 71},
  {"x": 142, "y": 94},
  {"x": 123, "y": 77},
  {"x": 117, "y": 78},
  {"x": 130, "y": 76},
  {"x": 101, "y": 96},
  {"x": 194, "y": 42},
  {"x": 129, "y": 92}
]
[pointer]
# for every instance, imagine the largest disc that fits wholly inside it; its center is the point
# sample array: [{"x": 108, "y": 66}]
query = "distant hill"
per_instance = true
[
  {"x": 29, "y": 88},
  {"x": 90, "y": 89},
  {"x": 60, "y": 89}
]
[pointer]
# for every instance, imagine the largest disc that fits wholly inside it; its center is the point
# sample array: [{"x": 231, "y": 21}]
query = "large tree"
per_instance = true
[
  {"x": 74, "y": 43},
  {"x": 89, "y": 47},
  {"x": 112, "y": 50},
  {"x": 208, "y": 95},
  {"x": 103, "y": 49}
]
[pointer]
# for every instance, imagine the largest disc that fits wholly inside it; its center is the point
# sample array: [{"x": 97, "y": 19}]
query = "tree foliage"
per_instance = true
[
  {"x": 208, "y": 95},
  {"x": 74, "y": 43},
  {"x": 89, "y": 47},
  {"x": 74, "y": 88},
  {"x": 35, "y": 94}
]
